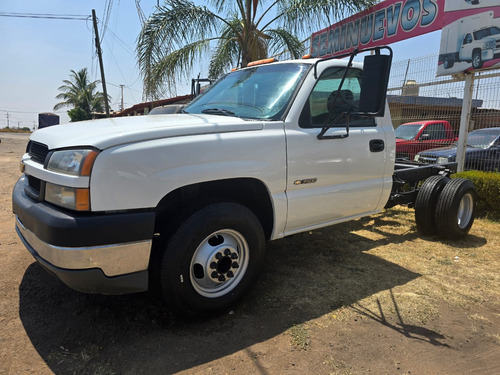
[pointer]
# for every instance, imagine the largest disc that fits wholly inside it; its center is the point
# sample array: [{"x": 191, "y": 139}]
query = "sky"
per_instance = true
[{"x": 37, "y": 54}]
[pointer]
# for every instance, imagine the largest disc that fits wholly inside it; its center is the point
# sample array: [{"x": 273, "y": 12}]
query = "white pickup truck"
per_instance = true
[
  {"x": 473, "y": 39},
  {"x": 184, "y": 203}
]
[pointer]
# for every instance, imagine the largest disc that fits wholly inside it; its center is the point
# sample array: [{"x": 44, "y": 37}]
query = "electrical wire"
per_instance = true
[{"x": 71, "y": 17}]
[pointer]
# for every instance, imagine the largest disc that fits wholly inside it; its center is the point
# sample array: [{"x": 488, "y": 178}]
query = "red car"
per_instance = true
[{"x": 413, "y": 137}]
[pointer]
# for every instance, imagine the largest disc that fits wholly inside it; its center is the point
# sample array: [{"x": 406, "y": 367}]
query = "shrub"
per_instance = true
[{"x": 488, "y": 191}]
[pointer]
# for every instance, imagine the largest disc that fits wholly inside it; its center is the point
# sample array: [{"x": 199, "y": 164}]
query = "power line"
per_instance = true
[
  {"x": 27, "y": 112},
  {"x": 71, "y": 17},
  {"x": 123, "y": 44}
]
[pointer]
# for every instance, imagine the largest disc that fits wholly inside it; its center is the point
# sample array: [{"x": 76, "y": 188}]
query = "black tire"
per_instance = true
[
  {"x": 477, "y": 61},
  {"x": 448, "y": 63},
  {"x": 212, "y": 259},
  {"x": 455, "y": 209},
  {"x": 425, "y": 204}
]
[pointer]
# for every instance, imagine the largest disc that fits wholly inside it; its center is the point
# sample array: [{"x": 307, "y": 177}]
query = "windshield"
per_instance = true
[
  {"x": 407, "y": 132},
  {"x": 483, "y": 33},
  {"x": 261, "y": 93},
  {"x": 482, "y": 139}
]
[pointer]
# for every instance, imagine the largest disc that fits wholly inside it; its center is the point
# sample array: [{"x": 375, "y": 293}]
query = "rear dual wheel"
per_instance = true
[
  {"x": 455, "y": 209},
  {"x": 445, "y": 207},
  {"x": 425, "y": 204}
]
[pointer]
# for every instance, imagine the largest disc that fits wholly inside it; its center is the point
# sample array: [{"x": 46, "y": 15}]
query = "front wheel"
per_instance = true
[
  {"x": 212, "y": 259},
  {"x": 477, "y": 61}
]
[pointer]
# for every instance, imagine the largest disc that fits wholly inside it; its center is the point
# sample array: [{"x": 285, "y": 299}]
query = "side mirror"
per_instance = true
[
  {"x": 424, "y": 137},
  {"x": 373, "y": 92},
  {"x": 374, "y": 84}
]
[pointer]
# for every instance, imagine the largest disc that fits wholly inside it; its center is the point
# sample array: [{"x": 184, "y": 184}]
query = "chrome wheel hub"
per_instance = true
[
  {"x": 465, "y": 208},
  {"x": 219, "y": 263}
]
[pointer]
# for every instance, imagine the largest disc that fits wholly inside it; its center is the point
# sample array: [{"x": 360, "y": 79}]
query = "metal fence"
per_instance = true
[{"x": 415, "y": 94}]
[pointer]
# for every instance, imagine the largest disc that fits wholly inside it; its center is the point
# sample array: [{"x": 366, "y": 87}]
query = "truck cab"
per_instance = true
[{"x": 480, "y": 45}]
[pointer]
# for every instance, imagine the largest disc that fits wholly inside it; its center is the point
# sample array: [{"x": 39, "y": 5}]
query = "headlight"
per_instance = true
[
  {"x": 72, "y": 162},
  {"x": 416, "y": 157},
  {"x": 77, "y": 199},
  {"x": 490, "y": 44},
  {"x": 442, "y": 160}
]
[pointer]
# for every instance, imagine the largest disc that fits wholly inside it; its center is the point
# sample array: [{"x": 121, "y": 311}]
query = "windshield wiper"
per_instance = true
[{"x": 218, "y": 111}]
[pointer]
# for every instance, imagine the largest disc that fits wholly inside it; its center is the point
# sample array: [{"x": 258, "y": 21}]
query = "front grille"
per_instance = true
[
  {"x": 35, "y": 184},
  {"x": 427, "y": 159},
  {"x": 38, "y": 152}
]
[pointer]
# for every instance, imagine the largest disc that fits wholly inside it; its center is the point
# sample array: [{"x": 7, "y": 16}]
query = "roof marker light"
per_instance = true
[{"x": 260, "y": 62}]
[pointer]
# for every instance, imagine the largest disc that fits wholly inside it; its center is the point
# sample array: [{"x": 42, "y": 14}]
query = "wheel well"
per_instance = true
[{"x": 179, "y": 204}]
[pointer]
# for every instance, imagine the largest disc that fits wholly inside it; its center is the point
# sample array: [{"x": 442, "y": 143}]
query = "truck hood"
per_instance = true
[{"x": 105, "y": 133}]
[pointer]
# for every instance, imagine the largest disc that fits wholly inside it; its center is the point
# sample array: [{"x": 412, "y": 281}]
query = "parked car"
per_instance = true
[
  {"x": 482, "y": 152},
  {"x": 413, "y": 137},
  {"x": 167, "y": 109}
]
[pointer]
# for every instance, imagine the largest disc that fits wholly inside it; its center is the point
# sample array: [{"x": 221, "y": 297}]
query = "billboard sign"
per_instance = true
[
  {"x": 384, "y": 23},
  {"x": 470, "y": 40}
]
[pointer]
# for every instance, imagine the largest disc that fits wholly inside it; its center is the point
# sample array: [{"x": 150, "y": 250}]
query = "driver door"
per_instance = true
[{"x": 332, "y": 179}]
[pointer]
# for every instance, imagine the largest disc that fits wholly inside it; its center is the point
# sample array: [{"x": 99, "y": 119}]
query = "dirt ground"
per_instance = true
[{"x": 366, "y": 297}]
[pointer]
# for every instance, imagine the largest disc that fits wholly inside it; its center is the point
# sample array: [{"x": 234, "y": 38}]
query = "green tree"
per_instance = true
[
  {"x": 78, "y": 114},
  {"x": 231, "y": 32},
  {"x": 82, "y": 95}
]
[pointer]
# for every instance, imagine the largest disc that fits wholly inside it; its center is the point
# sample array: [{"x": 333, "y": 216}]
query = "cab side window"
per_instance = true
[
  {"x": 326, "y": 102},
  {"x": 434, "y": 132}
]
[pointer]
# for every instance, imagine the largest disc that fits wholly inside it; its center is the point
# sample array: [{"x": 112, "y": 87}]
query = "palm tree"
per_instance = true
[
  {"x": 234, "y": 31},
  {"x": 81, "y": 94}
]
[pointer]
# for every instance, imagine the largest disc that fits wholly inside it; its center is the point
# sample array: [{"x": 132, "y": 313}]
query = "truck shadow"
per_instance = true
[{"x": 306, "y": 276}]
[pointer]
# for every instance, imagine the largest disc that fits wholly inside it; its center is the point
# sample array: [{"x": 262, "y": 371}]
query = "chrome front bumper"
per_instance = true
[
  {"x": 105, "y": 253},
  {"x": 113, "y": 260}
]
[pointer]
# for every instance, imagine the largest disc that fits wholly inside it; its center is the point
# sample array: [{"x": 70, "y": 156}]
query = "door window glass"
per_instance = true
[
  {"x": 326, "y": 102},
  {"x": 434, "y": 132}
]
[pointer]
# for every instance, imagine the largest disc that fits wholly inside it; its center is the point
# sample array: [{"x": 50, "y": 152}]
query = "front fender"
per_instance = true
[{"x": 139, "y": 175}]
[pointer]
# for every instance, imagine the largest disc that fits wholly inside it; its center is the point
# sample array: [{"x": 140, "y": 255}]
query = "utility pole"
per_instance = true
[
  {"x": 7, "y": 115},
  {"x": 99, "y": 54},
  {"x": 121, "y": 107}
]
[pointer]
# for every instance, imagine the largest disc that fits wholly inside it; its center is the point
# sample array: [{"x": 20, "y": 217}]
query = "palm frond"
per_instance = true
[
  {"x": 79, "y": 92},
  {"x": 181, "y": 32},
  {"x": 284, "y": 41},
  {"x": 174, "y": 66},
  {"x": 225, "y": 56},
  {"x": 303, "y": 16}
]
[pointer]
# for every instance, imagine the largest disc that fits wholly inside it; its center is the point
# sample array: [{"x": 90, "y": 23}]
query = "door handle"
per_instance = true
[{"x": 377, "y": 145}]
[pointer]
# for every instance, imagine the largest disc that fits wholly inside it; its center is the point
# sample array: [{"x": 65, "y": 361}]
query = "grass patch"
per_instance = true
[
  {"x": 86, "y": 360},
  {"x": 383, "y": 264},
  {"x": 11, "y": 130},
  {"x": 299, "y": 334}
]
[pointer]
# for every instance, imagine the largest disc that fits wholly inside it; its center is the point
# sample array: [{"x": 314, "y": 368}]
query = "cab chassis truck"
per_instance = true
[{"x": 184, "y": 204}]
